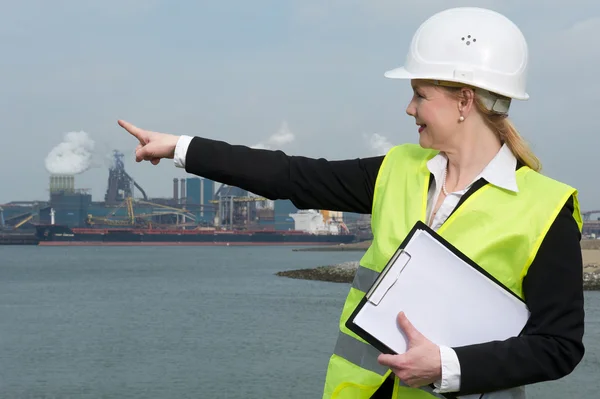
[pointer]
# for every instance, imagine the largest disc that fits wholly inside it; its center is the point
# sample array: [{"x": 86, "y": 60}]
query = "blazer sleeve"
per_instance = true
[
  {"x": 551, "y": 345},
  {"x": 345, "y": 185}
]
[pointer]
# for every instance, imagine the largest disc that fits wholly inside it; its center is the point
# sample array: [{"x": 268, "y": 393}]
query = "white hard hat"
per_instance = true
[{"x": 469, "y": 45}]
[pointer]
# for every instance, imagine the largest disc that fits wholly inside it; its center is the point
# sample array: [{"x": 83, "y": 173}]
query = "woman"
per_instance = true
[{"x": 472, "y": 179}]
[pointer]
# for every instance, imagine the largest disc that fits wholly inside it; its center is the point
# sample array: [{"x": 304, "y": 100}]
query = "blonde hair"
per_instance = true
[
  {"x": 501, "y": 125},
  {"x": 508, "y": 133}
]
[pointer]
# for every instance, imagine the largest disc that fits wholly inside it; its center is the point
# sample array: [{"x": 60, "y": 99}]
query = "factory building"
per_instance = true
[
  {"x": 70, "y": 206},
  {"x": 70, "y": 209},
  {"x": 199, "y": 194},
  {"x": 195, "y": 203},
  {"x": 281, "y": 214}
]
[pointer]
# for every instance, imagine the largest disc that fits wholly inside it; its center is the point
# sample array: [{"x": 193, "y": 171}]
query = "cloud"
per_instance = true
[
  {"x": 225, "y": 71},
  {"x": 377, "y": 144},
  {"x": 320, "y": 10},
  {"x": 400, "y": 10},
  {"x": 24, "y": 16},
  {"x": 283, "y": 136},
  {"x": 566, "y": 62},
  {"x": 389, "y": 10},
  {"x": 575, "y": 44}
]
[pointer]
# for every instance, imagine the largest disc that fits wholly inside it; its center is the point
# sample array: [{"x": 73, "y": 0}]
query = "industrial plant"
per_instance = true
[{"x": 199, "y": 212}]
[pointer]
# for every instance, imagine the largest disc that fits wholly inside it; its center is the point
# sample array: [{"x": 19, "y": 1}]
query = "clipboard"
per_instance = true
[{"x": 437, "y": 276}]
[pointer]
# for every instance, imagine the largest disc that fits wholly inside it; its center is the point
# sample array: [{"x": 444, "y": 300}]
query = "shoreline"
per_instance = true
[
  {"x": 344, "y": 273},
  {"x": 586, "y": 246},
  {"x": 361, "y": 246}
]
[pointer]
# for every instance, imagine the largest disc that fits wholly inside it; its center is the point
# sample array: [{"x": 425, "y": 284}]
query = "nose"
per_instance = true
[{"x": 411, "y": 109}]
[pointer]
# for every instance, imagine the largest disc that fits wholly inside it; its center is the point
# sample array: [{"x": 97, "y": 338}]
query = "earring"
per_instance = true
[{"x": 462, "y": 118}]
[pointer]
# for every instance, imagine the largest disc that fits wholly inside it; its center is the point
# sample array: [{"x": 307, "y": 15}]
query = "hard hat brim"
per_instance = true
[
  {"x": 402, "y": 73},
  {"x": 398, "y": 73}
]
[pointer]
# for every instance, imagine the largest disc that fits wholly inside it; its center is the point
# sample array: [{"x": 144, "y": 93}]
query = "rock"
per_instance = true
[
  {"x": 340, "y": 273},
  {"x": 344, "y": 273},
  {"x": 591, "y": 281}
]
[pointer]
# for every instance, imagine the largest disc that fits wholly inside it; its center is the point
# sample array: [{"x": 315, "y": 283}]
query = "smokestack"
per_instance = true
[
  {"x": 175, "y": 189},
  {"x": 62, "y": 183},
  {"x": 202, "y": 197},
  {"x": 182, "y": 191}
]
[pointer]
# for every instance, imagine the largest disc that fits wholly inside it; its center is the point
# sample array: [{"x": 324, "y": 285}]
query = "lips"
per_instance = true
[{"x": 421, "y": 128}]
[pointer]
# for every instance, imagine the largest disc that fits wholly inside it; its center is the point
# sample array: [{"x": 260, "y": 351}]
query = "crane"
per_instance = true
[{"x": 133, "y": 219}]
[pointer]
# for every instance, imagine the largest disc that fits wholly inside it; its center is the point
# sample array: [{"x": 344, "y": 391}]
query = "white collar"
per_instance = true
[{"x": 501, "y": 171}]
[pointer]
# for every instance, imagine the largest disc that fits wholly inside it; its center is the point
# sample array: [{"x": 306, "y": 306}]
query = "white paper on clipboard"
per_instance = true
[{"x": 446, "y": 299}]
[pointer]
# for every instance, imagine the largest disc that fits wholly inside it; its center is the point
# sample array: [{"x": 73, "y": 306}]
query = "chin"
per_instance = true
[{"x": 424, "y": 143}]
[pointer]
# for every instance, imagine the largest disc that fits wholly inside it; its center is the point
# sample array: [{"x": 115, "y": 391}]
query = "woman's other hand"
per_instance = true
[
  {"x": 153, "y": 146},
  {"x": 421, "y": 364}
]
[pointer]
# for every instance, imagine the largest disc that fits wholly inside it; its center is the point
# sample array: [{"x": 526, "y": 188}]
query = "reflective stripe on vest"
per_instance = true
[
  {"x": 359, "y": 353},
  {"x": 498, "y": 229},
  {"x": 364, "y": 278}
]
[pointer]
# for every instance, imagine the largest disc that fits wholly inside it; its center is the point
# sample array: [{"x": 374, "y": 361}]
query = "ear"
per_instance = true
[{"x": 466, "y": 101}]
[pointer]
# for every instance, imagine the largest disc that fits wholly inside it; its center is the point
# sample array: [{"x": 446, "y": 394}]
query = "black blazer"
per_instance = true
[{"x": 551, "y": 346}]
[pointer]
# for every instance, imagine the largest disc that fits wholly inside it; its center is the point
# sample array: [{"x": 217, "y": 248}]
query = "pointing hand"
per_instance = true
[
  {"x": 421, "y": 364},
  {"x": 153, "y": 146}
]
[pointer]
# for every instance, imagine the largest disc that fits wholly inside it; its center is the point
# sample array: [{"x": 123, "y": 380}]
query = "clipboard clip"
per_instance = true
[{"x": 371, "y": 294}]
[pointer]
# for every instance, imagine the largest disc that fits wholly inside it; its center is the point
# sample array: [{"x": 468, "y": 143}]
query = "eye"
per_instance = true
[{"x": 417, "y": 93}]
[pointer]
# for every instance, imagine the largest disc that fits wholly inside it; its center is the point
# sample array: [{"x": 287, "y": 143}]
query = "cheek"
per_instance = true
[
  {"x": 440, "y": 121},
  {"x": 438, "y": 130}
]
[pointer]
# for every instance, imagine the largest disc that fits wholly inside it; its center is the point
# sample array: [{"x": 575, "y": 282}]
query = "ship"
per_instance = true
[
  {"x": 57, "y": 235},
  {"x": 9, "y": 237},
  {"x": 310, "y": 228}
]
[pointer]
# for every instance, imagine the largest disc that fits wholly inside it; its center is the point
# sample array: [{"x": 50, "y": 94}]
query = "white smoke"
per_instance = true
[
  {"x": 73, "y": 156},
  {"x": 378, "y": 144},
  {"x": 109, "y": 161},
  {"x": 279, "y": 139}
]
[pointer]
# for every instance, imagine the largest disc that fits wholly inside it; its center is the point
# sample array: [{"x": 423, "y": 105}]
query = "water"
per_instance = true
[{"x": 184, "y": 322}]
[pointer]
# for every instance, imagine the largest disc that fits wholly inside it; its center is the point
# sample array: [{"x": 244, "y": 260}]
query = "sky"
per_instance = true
[{"x": 303, "y": 76}]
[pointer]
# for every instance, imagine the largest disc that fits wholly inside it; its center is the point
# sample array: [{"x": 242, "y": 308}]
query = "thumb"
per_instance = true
[
  {"x": 411, "y": 332},
  {"x": 135, "y": 131}
]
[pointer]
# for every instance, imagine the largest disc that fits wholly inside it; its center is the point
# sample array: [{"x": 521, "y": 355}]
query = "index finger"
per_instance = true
[{"x": 134, "y": 130}]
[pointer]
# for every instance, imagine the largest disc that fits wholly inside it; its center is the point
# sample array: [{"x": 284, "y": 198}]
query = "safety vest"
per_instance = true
[{"x": 498, "y": 229}]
